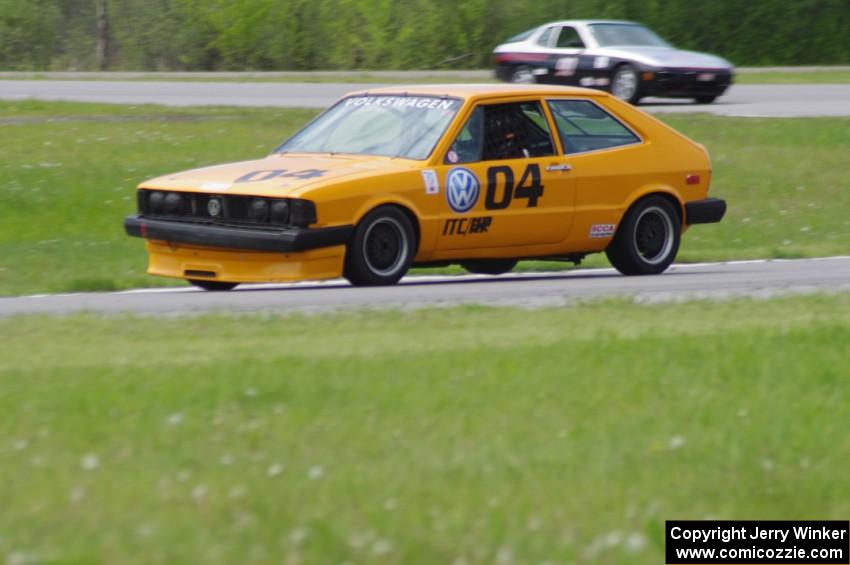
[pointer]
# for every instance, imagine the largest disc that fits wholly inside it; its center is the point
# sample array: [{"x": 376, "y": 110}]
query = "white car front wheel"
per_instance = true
[{"x": 625, "y": 84}]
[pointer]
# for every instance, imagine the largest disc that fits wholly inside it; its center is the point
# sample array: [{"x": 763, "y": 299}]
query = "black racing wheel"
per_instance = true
[
  {"x": 647, "y": 239},
  {"x": 382, "y": 248}
]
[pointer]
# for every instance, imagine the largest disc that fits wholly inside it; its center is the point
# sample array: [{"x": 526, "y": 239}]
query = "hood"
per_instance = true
[
  {"x": 516, "y": 46},
  {"x": 669, "y": 57},
  {"x": 277, "y": 174}
]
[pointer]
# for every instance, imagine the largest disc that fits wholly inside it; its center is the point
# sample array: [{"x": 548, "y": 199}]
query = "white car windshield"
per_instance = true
[
  {"x": 386, "y": 125},
  {"x": 610, "y": 35}
]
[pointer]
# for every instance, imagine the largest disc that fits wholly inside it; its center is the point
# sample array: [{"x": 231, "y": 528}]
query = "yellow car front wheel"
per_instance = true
[{"x": 382, "y": 248}]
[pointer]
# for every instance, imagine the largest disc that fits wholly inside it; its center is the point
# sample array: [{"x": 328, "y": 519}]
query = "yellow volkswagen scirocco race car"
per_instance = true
[{"x": 480, "y": 175}]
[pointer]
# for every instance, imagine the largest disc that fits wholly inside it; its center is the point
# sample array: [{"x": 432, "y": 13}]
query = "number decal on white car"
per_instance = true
[{"x": 566, "y": 66}]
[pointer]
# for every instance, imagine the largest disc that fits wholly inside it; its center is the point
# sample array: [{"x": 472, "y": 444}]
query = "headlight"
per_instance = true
[
  {"x": 303, "y": 212},
  {"x": 280, "y": 212},
  {"x": 173, "y": 203},
  {"x": 156, "y": 202},
  {"x": 259, "y": 210}
]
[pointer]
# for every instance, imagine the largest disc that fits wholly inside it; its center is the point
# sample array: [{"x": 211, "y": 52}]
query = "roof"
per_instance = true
[
  {"x": 479, "y": 91},
  {"x": 589, "y": 22}
]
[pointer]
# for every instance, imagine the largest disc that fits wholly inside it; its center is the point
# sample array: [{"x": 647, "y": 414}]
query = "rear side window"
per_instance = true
[
  {"x": 584, "y": 126},
  {"x": 502, "y": 131},
  {"x": 545, "y": 37}
]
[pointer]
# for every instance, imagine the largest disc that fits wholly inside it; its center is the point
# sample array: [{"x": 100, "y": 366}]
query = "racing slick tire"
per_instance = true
[
  {"x": 705, "y": 99},
  {"x": 213, "y": 285},
  {"x": 647, "y": 239},
  {"x": 625, "y": 83},
  {"x": 382, "y": 248},
  {"x": 522, "y": 75},
  {"x": 489, "y": 266}
]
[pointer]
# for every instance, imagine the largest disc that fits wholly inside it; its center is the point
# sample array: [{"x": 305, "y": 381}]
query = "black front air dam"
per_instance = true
[
  {"x": 287, "y": 240},
  {"x": 708, "y": 211}
]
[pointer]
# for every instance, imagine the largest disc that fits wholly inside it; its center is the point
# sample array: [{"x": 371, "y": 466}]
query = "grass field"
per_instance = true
[
  {"x": 471, "y": 435},
  {"x": 345, "y": 77},
  {"x": 68, "y": 172},
  {"x": 841, "y": 76}
]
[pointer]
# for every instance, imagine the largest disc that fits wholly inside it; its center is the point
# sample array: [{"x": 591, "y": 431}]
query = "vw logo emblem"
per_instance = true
[
  {"x": 214, "y": 207},
  {"x": 462, "y": 189}
]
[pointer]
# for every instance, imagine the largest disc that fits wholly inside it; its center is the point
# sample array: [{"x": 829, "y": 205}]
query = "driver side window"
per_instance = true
[
  {"x": 502, "y": 131},
  {"x": 569, "y": 39}
]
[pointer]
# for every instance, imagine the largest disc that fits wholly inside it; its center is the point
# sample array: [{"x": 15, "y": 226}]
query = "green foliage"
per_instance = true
[
  {"x": 467, "y": 435},
  {"x": 400, "y": 34},
  {"x": 28, "y": 36}
]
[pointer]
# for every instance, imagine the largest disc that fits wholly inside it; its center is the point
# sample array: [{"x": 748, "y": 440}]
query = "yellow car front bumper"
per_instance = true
[{"x": 235, "y": 265}]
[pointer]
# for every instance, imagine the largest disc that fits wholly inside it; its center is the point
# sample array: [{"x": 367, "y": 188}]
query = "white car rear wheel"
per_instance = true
[{"x": 523, "y": 75}]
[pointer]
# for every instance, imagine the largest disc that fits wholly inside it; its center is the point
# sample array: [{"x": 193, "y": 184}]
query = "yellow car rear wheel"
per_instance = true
[{"x": 647, "y": 239}]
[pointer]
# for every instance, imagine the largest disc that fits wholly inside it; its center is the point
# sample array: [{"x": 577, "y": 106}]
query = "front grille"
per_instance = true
[
  {"x": 689, "y": 77},
  {"x": 237, "y": 208},
  {"x": 226, "y": 210}
]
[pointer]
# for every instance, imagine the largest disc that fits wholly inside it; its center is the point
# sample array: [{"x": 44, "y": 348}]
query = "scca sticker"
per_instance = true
[
  {"x": 602, "y": 230},
  {"x": 462, "y": 189}
]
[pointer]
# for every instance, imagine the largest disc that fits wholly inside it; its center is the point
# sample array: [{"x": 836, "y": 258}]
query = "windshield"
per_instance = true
[
  {"x": 390, "y": 126},
  {"x": 609, "y": 35}
]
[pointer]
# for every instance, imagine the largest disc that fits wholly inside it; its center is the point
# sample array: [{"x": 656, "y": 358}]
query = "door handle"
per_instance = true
[{"x": 563, "y": 167}]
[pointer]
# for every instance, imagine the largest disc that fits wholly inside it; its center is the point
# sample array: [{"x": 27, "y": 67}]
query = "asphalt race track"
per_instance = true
[
  {"x": 794, "y": 100},
  {"x": 681, "y": 282},
  {"x": 533, "y": 290}
]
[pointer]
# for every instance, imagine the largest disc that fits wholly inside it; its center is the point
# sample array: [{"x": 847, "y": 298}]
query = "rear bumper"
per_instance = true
[
  {"x": 287, "y": 240},
  {"x": 708, "y": 211}
]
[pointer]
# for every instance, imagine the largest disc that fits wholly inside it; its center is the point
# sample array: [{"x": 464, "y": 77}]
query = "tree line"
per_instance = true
[{"x": 155, "y": 35}]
